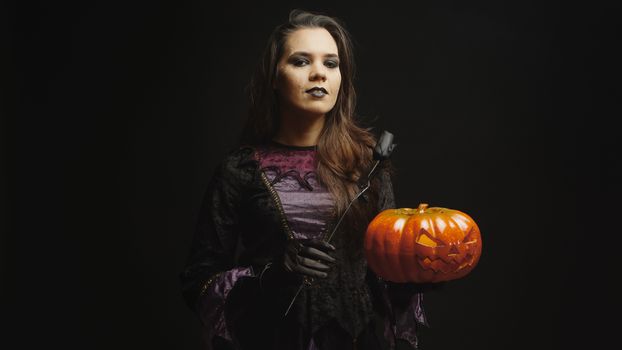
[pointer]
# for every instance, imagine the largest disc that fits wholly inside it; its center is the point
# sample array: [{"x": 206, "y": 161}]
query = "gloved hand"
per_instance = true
[{"x": 302, "y": 258}]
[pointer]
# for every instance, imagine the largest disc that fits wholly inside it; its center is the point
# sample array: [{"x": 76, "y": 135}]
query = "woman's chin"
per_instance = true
[{"x": 316, "y": 110}]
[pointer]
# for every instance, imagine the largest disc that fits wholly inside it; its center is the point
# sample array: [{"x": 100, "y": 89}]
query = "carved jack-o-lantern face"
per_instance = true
[{"x": 422, "y": 245}]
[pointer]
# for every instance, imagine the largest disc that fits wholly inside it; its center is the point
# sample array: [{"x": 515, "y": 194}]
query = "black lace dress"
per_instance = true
[{"x": 259, "y": 197}]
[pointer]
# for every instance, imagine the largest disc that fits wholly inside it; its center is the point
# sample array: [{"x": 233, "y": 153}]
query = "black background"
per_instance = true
[{"x": 119, "y": 112}]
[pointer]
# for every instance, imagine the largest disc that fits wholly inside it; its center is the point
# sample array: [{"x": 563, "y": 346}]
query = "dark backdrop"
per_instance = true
[{"x": 508, "y": 111}]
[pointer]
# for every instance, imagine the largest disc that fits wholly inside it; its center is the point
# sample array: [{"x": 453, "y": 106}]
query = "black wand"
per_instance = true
[{"x": 382, "y": 151}]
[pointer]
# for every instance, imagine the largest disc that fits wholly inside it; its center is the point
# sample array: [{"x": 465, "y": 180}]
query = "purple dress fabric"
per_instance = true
[
  {"x": 308, "y": 207},
  {"x": 405, "y": 321},
  {"x": 211, "y": 307},
  {"x": 291, "y": 171}
]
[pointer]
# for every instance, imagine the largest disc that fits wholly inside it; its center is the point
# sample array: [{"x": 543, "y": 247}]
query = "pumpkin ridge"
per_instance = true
[
  {"x": 402, "y": 264},
  {"x": 387, "y": 259}
]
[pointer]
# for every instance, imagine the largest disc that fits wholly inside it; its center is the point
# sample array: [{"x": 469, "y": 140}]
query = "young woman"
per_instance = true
[{"x": 274, "y": 199}]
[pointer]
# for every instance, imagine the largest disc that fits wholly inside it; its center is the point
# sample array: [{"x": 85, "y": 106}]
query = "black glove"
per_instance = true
[{"x": 302, "y": 258}]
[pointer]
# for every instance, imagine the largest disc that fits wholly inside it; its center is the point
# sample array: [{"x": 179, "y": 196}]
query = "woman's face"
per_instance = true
[{"x": 310, "y": 60}]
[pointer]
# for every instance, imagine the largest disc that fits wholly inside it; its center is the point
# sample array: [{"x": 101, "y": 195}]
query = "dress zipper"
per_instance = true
[{"x": 277, "y": 201}]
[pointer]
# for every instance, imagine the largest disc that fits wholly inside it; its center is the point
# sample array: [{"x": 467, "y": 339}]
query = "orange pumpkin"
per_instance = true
[{"x": 423, "y": 245}]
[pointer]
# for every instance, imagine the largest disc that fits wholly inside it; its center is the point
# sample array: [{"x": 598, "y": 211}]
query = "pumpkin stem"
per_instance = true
[{"x": 422, "y": 207}]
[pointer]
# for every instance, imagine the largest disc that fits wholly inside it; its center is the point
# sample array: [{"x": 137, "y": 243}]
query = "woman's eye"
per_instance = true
[
  {"x": 299, "y": 63},
  {"x": 332, "y": 64}
]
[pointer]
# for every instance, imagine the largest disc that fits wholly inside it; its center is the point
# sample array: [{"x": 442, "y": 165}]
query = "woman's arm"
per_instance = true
[
  {"x": 210, "y": 272},
  {"x": 213, "y": 245}
]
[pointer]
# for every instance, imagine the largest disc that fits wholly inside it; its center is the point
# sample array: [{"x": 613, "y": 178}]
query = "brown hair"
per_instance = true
[{"x": 344, "y": 148}]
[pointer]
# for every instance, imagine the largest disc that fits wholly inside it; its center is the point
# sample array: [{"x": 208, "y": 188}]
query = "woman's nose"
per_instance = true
[{"x": 317, "y": 73}]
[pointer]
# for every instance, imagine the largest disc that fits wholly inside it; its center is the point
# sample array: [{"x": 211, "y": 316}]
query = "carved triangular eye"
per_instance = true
[
  {"x": 426, "y": 239},
  {"x": 470, "y": 237}
]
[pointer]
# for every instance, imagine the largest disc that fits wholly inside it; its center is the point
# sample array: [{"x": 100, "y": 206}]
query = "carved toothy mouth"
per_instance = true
[{"x": 444, "y": 266}]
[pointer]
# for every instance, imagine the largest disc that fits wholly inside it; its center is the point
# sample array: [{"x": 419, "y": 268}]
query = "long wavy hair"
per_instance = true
[{"x": 344, "y": 149}]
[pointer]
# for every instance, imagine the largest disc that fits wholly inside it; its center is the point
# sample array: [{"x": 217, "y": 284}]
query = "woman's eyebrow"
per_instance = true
[{"x": 306, "y": 54}]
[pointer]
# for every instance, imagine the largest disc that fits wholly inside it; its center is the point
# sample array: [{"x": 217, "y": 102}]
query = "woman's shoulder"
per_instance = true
[
  {"x": 238, "y": 160},
  {"x": 240, "y": 154}
]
